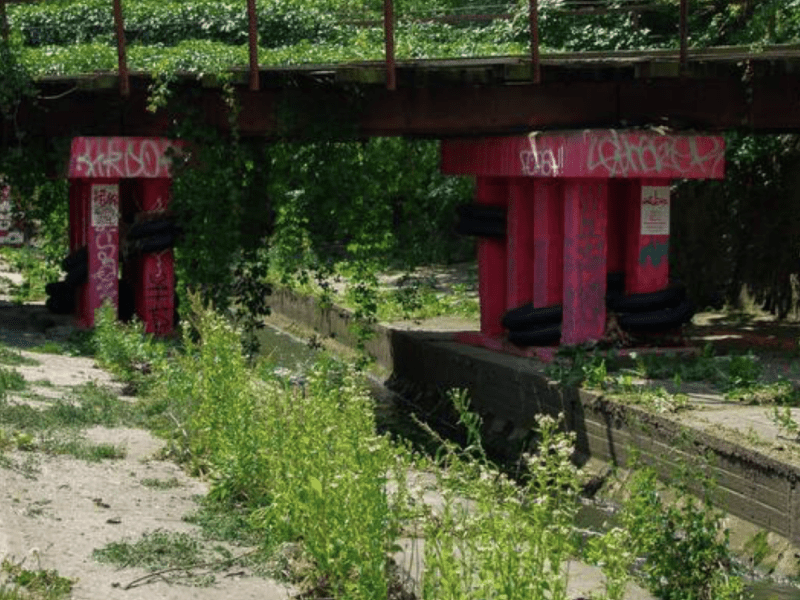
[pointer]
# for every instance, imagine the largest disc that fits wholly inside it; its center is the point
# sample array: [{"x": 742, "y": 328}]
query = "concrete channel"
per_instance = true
[{"x": 756, "y": 469}]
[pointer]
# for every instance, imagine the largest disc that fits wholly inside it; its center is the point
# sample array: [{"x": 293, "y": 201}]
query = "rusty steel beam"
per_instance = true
[
  {"x": 253, "y": 44},
  {"x": 122, "y": 63},
  {"x": 441, "y": 111},
  {"x": 388, "y": 30}
]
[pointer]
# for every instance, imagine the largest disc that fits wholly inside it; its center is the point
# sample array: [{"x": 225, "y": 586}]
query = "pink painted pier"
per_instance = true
[
  {"x": 580, "y": 205},
  {"x": 117, "y": 183}
]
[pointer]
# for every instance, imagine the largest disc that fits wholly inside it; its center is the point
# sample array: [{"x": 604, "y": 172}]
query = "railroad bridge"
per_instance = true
[{"x": 574, "y": 153}]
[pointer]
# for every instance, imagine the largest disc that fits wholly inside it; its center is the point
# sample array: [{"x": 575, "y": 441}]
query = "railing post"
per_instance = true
[
  {"x": 253, "y": 41},
  {"x": 684, "y": 33},
  {"x": 534, "y": 18},
  {"x": 124, "y": 82},
  {"x": 388, "y": 27}
]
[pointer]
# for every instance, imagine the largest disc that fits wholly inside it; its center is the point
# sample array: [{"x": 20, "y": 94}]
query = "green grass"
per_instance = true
[
  {"x": 155, "y": 550},
  {"x": 19, "y": 583},
  {"x": 191, "y": 560},
  {"x": 49, "y": 347},
  {"x": 11, "y": 380},
  {"x": 72, "y": 444},
  {"x": 13, "y": 358},
  {"x": 55, "y": 428},
  {"x": 86, "y": 405},
  {"x": 79, "y": 343},
  {"x": 161, "y": 484}
]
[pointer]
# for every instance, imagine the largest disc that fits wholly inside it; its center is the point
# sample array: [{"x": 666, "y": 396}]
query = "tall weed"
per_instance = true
[
  {"x": 495, "y": 538},
  {"x": 306, "y": 461},
  {"x": 685, "y": 548},
  {"x": 125, "y": 350}
]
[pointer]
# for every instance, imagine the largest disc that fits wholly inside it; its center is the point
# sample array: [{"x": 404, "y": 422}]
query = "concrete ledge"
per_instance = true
[{"x": 752, "y": 484}]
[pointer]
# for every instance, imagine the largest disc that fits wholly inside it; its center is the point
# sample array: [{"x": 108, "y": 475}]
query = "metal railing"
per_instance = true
[{"x": 571, "y": 6}]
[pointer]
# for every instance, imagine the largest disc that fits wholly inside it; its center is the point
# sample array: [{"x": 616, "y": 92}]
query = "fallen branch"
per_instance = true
[{"x": 160, "y": 573}]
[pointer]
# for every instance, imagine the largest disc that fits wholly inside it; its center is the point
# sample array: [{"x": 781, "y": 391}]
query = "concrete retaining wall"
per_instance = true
[{"x": 510, "y": 391}]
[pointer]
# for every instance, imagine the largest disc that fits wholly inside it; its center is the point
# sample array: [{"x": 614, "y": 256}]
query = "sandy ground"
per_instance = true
[{"x": 56, "y": 510}]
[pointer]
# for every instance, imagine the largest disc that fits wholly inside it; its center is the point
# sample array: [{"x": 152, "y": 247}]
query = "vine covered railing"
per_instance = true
[{"x": 534, "y": 12}]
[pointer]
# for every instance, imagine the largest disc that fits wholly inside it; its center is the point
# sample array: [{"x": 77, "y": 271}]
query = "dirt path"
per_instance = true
[{"x": 56, "y": 510}]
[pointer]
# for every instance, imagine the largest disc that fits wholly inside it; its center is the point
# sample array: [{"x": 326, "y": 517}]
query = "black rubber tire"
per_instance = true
[
  {"x": 62, "y": 304},
  {"x": 670, "y": 297},
  {"x": 491, "y": 229},
  {"x": 75, "y": 258},
  {"x": 546, "y": 335},
  {"x": 153, "y": 228},
  {"x": 527, "y": 316},
  {"x": 615, "y": 284},
  {"x": 156, "y": 243},
  {"x": 55, "y": 288},
  {"x": 664, "y": 319},
  {"x": 78, "y": 275},
  {"x": 482, "y": 212}
]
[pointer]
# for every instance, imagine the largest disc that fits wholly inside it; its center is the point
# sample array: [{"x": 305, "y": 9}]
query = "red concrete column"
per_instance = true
[
  {"x": 647, "y": 243},
  {"x": 102, "y": 239},
  {"x": 492, "y": 259},
  {"x": 548, "y": 234},
  {"x": 154, "y": 281},
  {"x": 520, "y": 242},
  {"x": 78, "y": 203},
  {"x": 585, "y": 223}
]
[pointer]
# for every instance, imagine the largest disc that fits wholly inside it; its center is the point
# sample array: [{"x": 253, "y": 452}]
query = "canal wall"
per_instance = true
[{"x": 509, "y": 391}]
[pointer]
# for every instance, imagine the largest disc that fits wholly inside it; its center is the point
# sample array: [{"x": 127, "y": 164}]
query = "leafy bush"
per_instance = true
[
  {"x": 686, "y": 558},
  {"x": 68, "y": 22}
]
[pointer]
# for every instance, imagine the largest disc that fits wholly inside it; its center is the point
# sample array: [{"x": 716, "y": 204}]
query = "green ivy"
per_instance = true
[{"x": 15, "y": 81}]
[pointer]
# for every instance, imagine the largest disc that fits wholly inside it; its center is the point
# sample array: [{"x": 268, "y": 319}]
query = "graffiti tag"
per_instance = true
[
  {"x": 543, "y": 162},
  {"x": 120, "y": 157},
  {"x": 655, "y": 251},
  {"x": 625, "y": 155},
  {"x": 105, "y": 275}
]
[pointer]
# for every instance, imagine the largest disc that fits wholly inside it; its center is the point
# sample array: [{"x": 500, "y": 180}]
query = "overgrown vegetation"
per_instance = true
[
  {"x": 294, "y": 466},
  {"x": 643, "y": 379}
]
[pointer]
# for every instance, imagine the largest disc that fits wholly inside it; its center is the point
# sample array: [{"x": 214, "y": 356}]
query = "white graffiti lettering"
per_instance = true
[
  {"x": 541, "y": 162},
  {"x": 120, "y": 157},
  {"x": 105, "y": 278},
  {"x": 625, "y": 155}
]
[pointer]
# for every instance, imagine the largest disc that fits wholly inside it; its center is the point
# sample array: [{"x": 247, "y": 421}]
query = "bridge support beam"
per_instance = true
[{"x": 581, "y": 207}]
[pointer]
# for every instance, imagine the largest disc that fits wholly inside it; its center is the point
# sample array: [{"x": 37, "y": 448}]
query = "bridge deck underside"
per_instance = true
[{"x": 447, "y": 98}]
